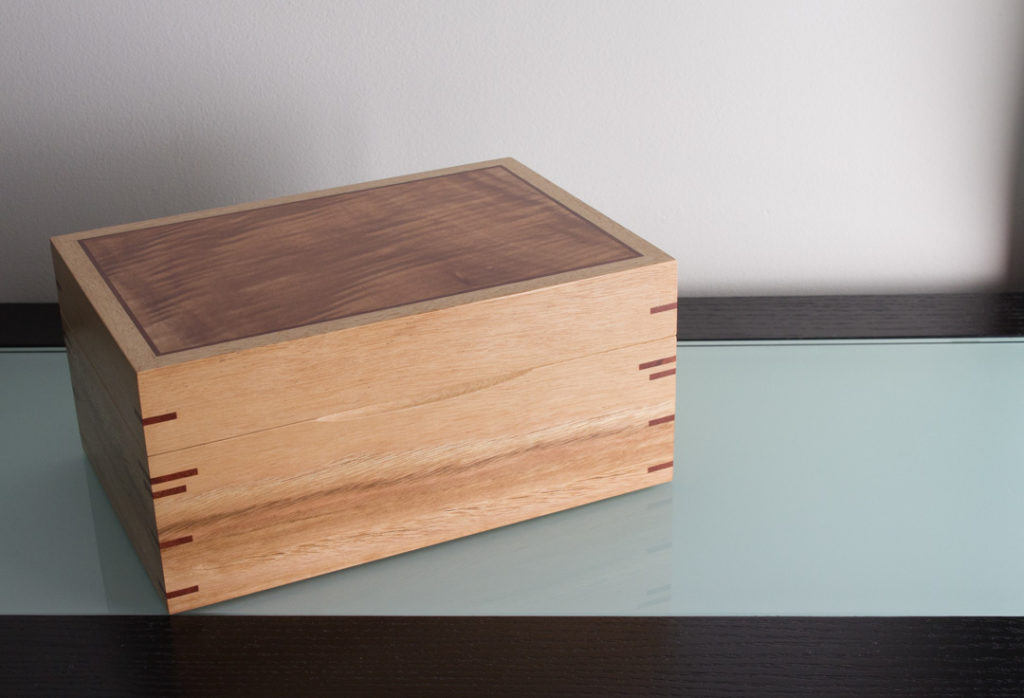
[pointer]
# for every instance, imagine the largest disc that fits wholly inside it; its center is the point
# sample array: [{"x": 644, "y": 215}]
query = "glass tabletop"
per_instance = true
[{"x": 811, "y": 478}]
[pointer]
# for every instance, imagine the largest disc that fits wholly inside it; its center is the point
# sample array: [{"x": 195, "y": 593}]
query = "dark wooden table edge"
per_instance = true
[
  {"x": 229, "y": 655},
  {"x": 570, "y": 656},
  {"x": 909, "y": 316}
]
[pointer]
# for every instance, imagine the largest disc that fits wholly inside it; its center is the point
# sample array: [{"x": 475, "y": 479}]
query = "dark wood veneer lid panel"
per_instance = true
[{"x": 237, "y": 275}]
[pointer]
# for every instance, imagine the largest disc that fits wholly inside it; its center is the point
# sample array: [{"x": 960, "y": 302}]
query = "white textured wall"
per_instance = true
[{"x": 772, "y": 147}]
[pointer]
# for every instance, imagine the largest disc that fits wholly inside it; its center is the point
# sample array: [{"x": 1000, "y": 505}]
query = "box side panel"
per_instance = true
[
  {"x": 81, "y": 322},
  {"x": 403, "y": 361},
  {"x": 114, "y": 448},
  {"x": 283, "y": 504},
  {"x": 107, "y": 406}
]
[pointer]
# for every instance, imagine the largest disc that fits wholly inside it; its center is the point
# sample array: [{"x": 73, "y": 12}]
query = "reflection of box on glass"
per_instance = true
[{"x": 277, "y": 390}]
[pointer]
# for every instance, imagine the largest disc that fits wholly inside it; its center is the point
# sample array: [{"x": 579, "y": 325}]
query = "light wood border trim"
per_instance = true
[{"x": 140, "y": 354}]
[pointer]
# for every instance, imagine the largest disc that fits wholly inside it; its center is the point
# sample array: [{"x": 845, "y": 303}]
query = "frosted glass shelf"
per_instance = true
[{"x": 811, "y": 478}]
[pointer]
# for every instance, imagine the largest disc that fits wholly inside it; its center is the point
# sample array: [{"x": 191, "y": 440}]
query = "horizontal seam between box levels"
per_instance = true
[{"x": 314, "y": 419}]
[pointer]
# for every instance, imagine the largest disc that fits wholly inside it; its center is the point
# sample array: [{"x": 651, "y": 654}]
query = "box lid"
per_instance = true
[{"x": 199, "y": 284}]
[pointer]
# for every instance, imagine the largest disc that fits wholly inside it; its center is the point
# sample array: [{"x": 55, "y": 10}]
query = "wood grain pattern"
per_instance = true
[
  {"x": 115, "y": 451},
  {"x": 237, "y": 275},
  {"x": 406, "y": 361},
  {"x": 465, "y": 357},
  {"x": 96, "y": 340},
  {"x": 308, "y": 498},
  {"x": 139, "y": 353},
  {"x": 106, "y": 397},
  {"x": 254, "y": 536}
]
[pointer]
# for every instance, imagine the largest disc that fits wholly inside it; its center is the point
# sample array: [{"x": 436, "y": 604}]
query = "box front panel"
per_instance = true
[
  {"x": 395, "y": 363},
  {"x": 441, "y": 460}
]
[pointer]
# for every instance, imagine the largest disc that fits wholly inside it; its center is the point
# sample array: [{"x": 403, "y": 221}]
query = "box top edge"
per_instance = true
[
  {"x": 76, "y": 255},
  {"x": 187, "y": 216},
  {"x": 269, "y": 339}
]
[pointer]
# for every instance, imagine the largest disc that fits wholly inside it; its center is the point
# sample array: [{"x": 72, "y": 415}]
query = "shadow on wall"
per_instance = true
[
  {"x": 1015, "y": 268},
  {"x": 62, "y": 176},
  {"x": 1015, "y": 260}
]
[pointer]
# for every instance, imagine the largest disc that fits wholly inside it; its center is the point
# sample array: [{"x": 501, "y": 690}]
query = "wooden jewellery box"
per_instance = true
[{"x": 273, "y": 391}]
